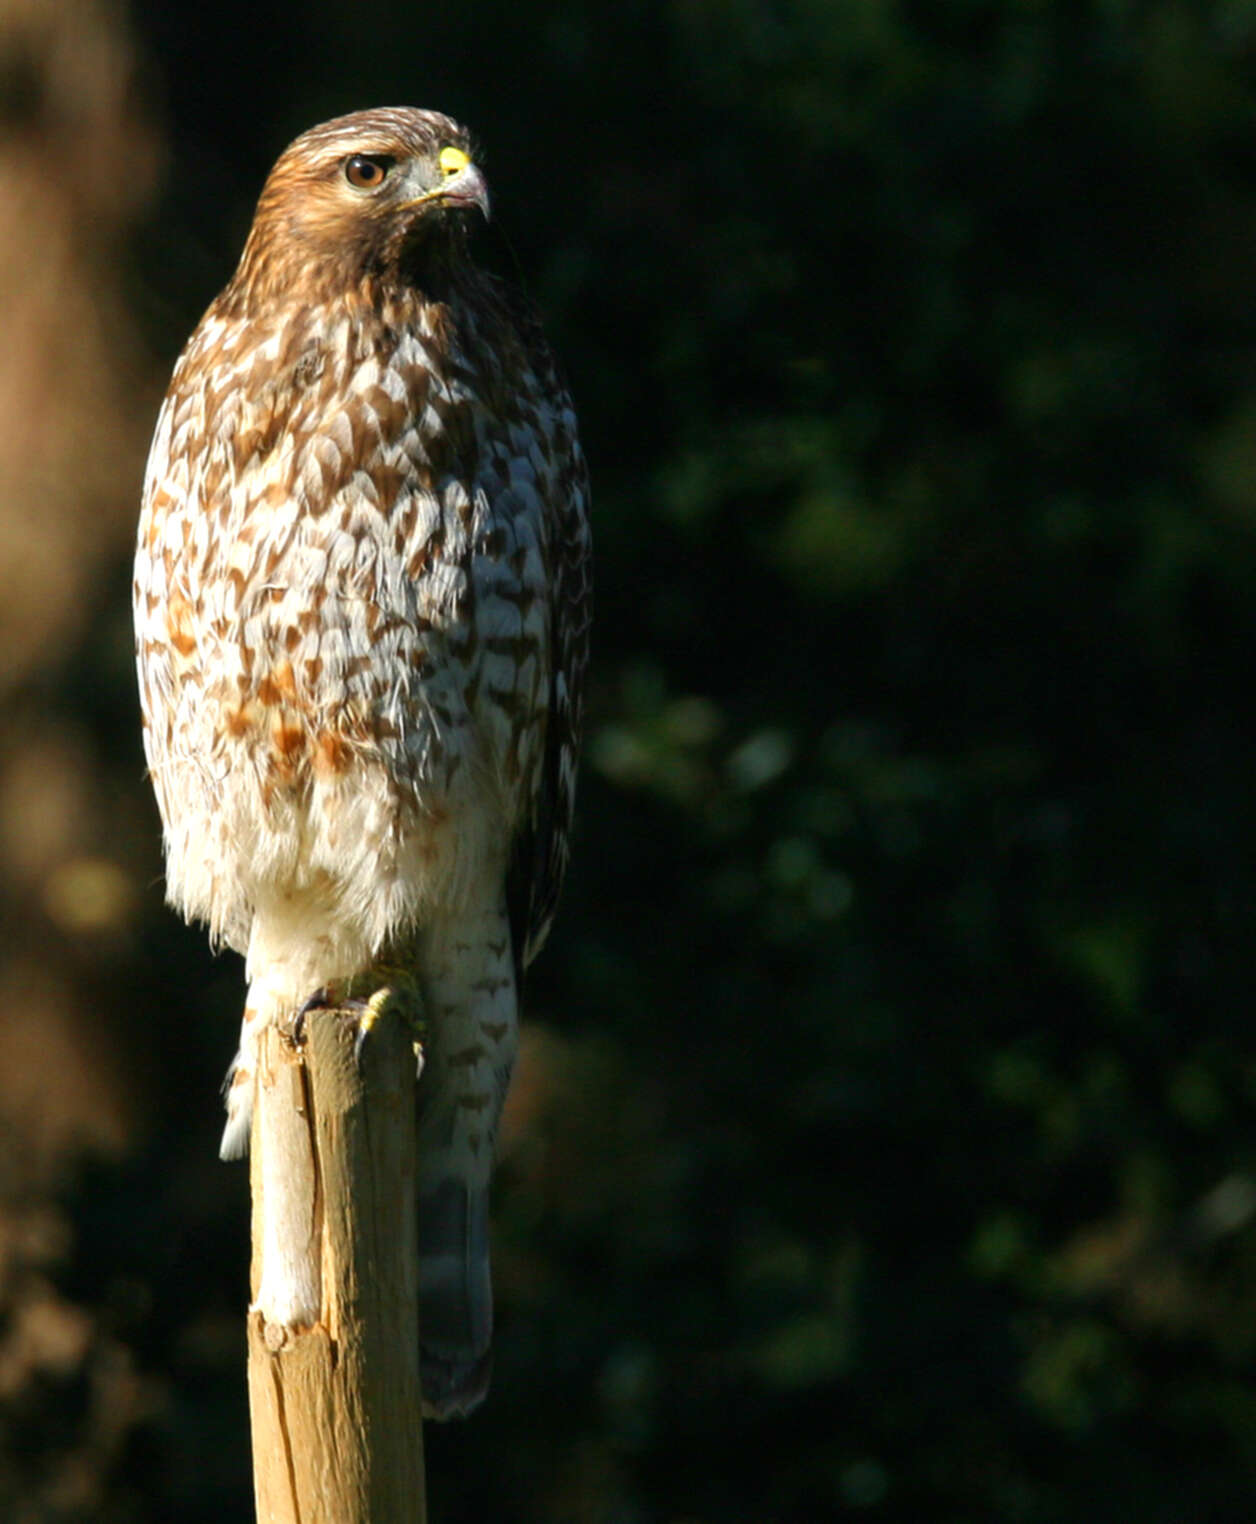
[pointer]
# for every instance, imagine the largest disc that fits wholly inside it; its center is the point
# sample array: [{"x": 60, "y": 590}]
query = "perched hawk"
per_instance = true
[{"x": 362, "y": 608}]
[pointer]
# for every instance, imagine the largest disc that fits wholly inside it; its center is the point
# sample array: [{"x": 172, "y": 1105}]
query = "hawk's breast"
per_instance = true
[{"x": 343, "y": 623}]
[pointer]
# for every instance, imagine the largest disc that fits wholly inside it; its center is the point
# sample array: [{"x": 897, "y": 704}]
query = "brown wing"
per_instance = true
[{"x": 542, "y": 848}]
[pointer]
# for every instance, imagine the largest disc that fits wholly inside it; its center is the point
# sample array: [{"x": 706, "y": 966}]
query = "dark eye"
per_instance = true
[{"x": 367, "y": 171}]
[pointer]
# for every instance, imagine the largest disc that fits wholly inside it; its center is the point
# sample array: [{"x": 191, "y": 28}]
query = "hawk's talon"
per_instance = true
[
  {"x": 369, "y": 1014},
  {"x": 323, "y": 999},
  {"x": 366, "y": 1011}
]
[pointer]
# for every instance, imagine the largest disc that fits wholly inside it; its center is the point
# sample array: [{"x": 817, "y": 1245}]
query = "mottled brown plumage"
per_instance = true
[{"x": 362, "y": 605}]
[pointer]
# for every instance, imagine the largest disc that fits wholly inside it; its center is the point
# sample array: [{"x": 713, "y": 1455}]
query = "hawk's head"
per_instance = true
[{"x": 376, "y": 193}]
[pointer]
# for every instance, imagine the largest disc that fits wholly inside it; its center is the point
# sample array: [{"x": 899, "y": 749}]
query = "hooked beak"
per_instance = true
[{"x": 467, "y": 188}]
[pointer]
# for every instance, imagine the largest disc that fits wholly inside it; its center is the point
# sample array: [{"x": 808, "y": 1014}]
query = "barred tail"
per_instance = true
[
  {"x": 455, "y": 1296},
  {"x": 467, "y": 972}
]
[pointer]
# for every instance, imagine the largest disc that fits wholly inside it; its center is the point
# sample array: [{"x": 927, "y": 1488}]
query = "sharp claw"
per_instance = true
[
  {"x": 359, "y": 1040},
  {"x": 321, "y": 1000},
  {"x": 370, "y": 1013}
]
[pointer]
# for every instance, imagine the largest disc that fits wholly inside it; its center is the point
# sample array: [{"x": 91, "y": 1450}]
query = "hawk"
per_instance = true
[{"x": 361, "y": 598}]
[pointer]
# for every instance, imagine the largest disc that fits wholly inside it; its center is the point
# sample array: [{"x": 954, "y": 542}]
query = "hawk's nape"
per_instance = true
[{"x": 362, "y": 604}]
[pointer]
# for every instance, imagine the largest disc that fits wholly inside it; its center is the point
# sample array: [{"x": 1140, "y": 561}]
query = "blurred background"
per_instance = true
[{"x": 884, "y": 1142}]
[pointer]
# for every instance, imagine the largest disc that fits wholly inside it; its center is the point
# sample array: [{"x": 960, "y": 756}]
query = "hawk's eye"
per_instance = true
[
  {"x": 452, "y": 162},
  {"x": 367, "y": 171}
]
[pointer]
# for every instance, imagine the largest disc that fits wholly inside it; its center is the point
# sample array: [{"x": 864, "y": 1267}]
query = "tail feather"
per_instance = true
[
  {"x": 240, "y": 1085},
  {"x": 455, "y": 1297},
  {"x": 466, "y": 968},
  {"x": 238, "y": 1091}
]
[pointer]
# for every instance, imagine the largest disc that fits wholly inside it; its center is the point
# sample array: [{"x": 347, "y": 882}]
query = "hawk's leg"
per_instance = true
[{"x": 365, "y": 998}]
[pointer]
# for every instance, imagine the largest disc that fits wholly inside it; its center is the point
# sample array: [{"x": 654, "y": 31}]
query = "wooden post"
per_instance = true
[{"x": 333, "y": 1330}]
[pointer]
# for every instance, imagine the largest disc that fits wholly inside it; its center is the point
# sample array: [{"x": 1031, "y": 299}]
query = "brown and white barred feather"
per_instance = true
[{"x": 362, "y": 606}]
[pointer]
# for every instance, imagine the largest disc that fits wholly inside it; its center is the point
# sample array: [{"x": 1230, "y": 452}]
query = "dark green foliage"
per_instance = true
[{"x": 890, "y": 1142}]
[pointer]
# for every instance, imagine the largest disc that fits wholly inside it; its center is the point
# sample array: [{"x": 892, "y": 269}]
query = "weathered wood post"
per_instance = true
[{"x": 334, "y": 1360}]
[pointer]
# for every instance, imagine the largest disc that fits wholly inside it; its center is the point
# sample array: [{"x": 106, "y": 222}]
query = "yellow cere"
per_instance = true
[{"x": 453, "y": 161}]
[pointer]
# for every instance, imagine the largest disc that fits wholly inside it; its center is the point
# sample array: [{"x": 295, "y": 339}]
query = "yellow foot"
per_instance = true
[{"x": 401, "y": 995}]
